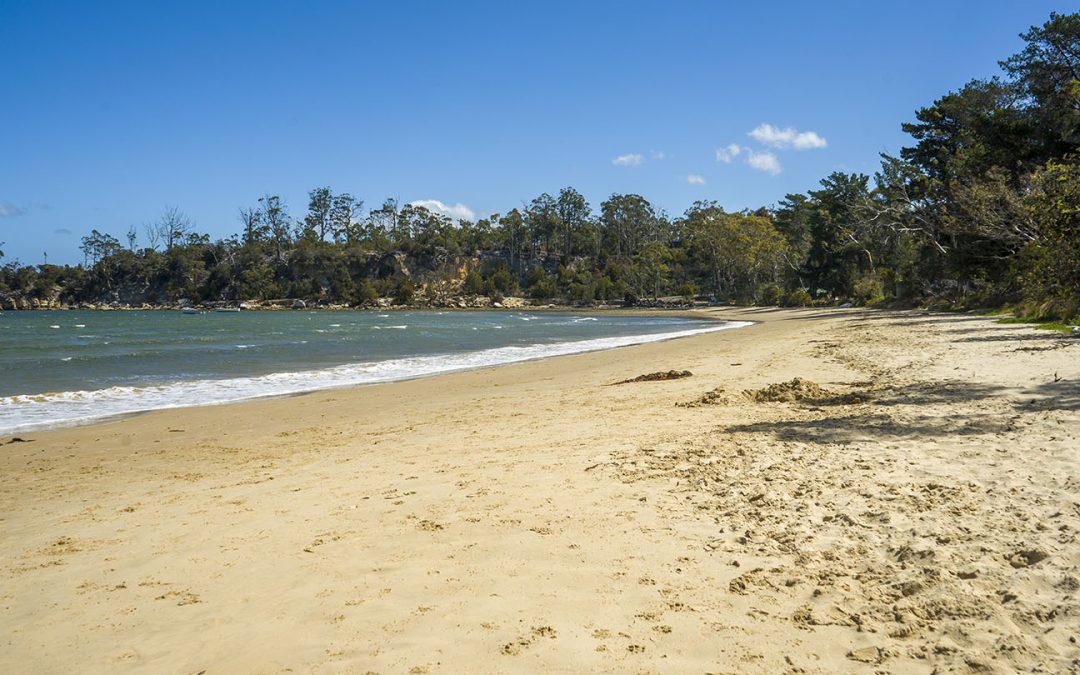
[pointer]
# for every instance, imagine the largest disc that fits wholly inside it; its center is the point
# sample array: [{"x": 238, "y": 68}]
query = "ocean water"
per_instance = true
[{"x": 72, "y": 367}]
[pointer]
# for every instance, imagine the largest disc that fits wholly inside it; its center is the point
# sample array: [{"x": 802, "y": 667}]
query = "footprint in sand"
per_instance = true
[{"x": 524, "y": 642}]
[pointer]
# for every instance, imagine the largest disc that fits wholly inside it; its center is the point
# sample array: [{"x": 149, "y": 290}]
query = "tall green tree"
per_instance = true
[
  {"x": 628, "y": 222},
  {"x": 344, "y": 212},
  {"x": 1046, "y": 73},
  {"x": 572, "y": 214},
  {"x": 317, "y": 222},
  {"x": 98, "y": 245},
  {"x": 275, "y": 215}
]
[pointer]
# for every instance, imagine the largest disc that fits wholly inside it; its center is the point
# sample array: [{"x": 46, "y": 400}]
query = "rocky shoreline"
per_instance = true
[{"x": 382, "y": 304}]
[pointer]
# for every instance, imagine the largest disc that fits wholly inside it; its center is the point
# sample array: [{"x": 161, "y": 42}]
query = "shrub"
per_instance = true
[
  {"x": 771, "y": 294},
  {"x": 404, "y": 292},
  {"x": 491, "y": 290},
  {"x": 797, "y": 297},
  {"x": 366, "y": 293},
  {"x": 543, "y": 289},
  {"x": 501, "y": 281},
  {"x": 473, "y": 284},
  {"x": 868, "y": 290},
  {"x": 605, "y": 288},
  {"x": 687, "y": 291}
]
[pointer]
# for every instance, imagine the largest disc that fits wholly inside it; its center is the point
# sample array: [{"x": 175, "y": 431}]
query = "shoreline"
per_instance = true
[
  {"x": 457, "y": 303},
  {"x": 453, "y": 363},
  {"x": 530, "y": 517}
]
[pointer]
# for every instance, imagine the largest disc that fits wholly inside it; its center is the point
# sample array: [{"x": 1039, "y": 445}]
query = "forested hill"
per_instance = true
[{"x": 983, "y": 207}]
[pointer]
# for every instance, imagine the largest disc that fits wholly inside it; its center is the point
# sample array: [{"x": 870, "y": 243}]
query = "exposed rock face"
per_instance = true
[
  {"x": 33, "y": 298},
  {"x": 14, "y": 302},
  {"x": 392, "y": 265}
]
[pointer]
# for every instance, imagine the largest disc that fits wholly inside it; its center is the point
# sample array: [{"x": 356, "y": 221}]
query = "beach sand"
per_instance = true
[{"x": 912, "y": 504}]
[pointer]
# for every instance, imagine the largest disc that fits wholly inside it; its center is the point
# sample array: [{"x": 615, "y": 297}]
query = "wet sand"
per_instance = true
[{"x": 910, "y": 504}]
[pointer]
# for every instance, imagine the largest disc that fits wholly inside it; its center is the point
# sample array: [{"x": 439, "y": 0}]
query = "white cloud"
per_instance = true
[
  {"x": 457, "y": 211},
  {"x": 776, "y": 137},
  {"x": 729, "y": 153},
  {"x": 764, "y": 161},
  {"x": 9, "y": 210},
  {"x": 658, "y": 154},
  {"x": 694, "y": 179},
  {"x": 628, "y": 160}
]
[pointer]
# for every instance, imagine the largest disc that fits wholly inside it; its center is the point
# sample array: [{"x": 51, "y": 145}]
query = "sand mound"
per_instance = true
[
  {"x": 713, "y": 397},
  {"x": 789, "y": 392},
  {"x": 798, "y": 389}
]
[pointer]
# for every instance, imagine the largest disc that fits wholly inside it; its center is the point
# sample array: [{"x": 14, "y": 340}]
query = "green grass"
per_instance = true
[
  {"x": 1001, "y": 311},
  {"x": 1038, "y": 322}
]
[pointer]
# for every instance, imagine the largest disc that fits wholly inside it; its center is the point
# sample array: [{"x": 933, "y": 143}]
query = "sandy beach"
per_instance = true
[{"x": 911, "y": 504}]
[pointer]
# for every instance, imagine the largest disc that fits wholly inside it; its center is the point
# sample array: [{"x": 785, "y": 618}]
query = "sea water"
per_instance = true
[{"x": 64, "y": 368}]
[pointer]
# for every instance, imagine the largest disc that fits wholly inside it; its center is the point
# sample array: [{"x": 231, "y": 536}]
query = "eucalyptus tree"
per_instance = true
[
  {"x": 573, "y": 213},
  {"x": 740, "y": 251},
  {"x": 384, "y": 227},
  {"x": 170, "y": 229},
  {"x": 255, "y": 230},
  {"x": 628, "y": 221},
  {"x": 274, "y": 213},
  {"x": 344, "y": 218},
  {"x": 512, "y": 237},
  {"x": 98, "y": 245},
  {"x": 316, "y": 223},
  {"x": 541, "y": 217}
]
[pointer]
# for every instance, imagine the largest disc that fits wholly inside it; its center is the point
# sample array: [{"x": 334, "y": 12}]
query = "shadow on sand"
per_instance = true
[{"x": 878, "y": 419}]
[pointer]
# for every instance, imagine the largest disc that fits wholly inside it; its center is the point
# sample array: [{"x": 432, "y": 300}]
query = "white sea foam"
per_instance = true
[{"x": 70, "y": 408}]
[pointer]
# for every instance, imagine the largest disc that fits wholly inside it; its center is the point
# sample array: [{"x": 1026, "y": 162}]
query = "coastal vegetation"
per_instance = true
[{"x": 981, "y": 209}]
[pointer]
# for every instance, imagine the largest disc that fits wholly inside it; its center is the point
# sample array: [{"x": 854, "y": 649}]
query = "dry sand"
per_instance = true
[{"x": 912, "y": 505}]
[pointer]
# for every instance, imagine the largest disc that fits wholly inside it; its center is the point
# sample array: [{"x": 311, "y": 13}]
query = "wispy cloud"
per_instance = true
[
  {"x": 786, "y": 138},
  {"x": 764, "y": 161},
  {"x": 729, "y": 153},
  {"x": 628, "y": 160},
  {"x": 658, "y": 154},
  {"x": 695, "y": 179},
  {"x": 9, "y": 210},
  {"x": 455, "y": 211},
  {"x": 62, "y": 230}
]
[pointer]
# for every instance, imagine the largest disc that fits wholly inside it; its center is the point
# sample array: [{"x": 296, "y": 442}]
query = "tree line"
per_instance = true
[{"x": 981, "y": 208}]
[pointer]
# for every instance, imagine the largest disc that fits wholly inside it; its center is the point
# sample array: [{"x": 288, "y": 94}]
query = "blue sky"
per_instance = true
[{"x": 112, "y": 111}]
